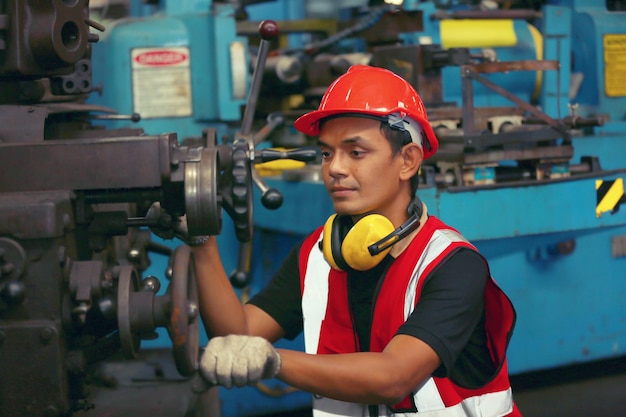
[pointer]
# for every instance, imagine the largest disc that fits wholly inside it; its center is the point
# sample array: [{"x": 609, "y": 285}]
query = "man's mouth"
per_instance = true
[{"x": 340, "y": 191}]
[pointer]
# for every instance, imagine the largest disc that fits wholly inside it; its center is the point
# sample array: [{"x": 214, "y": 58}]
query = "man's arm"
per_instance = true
[
  {"x": 365, "y": 377},
  {"x": 221, "y": 310}
]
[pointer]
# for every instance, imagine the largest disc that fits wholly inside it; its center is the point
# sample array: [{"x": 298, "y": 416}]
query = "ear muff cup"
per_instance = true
[
  {"x": 345, "y": 246},
  {"x": 335, "y": 229}
]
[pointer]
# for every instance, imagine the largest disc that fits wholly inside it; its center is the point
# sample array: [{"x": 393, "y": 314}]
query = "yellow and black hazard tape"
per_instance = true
[{"x": 609, "y": 195}]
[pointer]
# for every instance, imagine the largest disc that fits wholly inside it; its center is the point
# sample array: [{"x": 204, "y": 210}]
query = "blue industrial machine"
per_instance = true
[
  {"x": 546, "y": 214},
  {"x": 184, "y": 67},
  {"x": 530, "y": 115},
  {"x": 529, "y": 106}
]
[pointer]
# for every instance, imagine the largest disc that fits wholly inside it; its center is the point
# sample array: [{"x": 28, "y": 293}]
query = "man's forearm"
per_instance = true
[
  {"x": 220, "y": 308},
  {"x": 367, "y": 377}
]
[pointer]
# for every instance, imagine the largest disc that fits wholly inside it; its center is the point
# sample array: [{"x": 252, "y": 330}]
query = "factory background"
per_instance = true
[{"x": 109, "y": 106}]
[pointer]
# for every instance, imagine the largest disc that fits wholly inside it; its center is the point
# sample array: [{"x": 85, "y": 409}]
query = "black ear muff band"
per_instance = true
[
  {"x": 341, "y": 227},
  {"x": 415, "y": 210},
  {"x": 400, "y": 233}
]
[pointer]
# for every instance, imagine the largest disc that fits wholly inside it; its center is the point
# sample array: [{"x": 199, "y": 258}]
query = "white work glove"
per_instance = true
[{"x": 239, "y": 360}]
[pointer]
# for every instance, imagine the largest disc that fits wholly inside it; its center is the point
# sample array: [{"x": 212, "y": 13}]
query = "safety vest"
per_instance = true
[{"x": 328, "y": 326}]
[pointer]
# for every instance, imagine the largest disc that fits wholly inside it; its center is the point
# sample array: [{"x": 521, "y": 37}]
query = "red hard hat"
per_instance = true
[{"x": 372, "y": 91}]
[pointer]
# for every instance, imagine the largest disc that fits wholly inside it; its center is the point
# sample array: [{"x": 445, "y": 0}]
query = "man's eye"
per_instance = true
[
  {"x": 325, "y": 154},
  {"x": 357, "y": 153}
]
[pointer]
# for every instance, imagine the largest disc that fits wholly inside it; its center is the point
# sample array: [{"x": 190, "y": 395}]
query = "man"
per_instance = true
[{"x": 398, "y": 310}]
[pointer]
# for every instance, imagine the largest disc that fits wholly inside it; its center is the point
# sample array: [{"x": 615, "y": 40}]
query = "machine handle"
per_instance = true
[
  {"x": 274, "y": 120},
  {"x": 268, "y": 29},
  {"x": 300, "y": 154},
  {"x": 271, "y": 198},
  {"x": 134, "y": 117}
]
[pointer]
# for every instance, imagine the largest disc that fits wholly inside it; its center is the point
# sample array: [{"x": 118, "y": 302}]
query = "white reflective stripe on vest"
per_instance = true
[
  {"x": 439, "y": 241},
  {"x": 314, "y": 298},
  {"x": 326, "y": 407},
  {"x": 427, "y": 397},
  {"x": 428, "y": 403},
  {"x": 494, "y": 404}
]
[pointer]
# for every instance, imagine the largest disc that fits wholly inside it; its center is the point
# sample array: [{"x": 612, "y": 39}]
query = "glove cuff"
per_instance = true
[{"x": 273, "y": 365}]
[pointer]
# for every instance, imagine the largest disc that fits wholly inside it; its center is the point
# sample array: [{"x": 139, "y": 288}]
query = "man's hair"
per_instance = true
[{"x": 397, "y": 139}]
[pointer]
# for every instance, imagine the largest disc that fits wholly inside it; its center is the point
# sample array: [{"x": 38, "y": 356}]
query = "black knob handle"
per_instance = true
[
  {"x": 239, "y": 279},
  {"x": 272, "y": 199}
]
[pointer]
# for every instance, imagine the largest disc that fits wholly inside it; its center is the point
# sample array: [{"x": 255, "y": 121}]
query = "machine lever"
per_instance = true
[
  {"x": 99, "y": 27},
  {"x": 271, "y": 198},
  {"x": 274, "y": 120},
  {"x": 240, "y": 278},
  {"x": 268, "y": 29},
  {"x": 300, "y": 154},
  {"x": 135, "y": 117}
]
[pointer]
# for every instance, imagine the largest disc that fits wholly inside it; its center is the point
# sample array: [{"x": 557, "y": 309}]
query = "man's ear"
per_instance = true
[{"x": 412, "y": 156}]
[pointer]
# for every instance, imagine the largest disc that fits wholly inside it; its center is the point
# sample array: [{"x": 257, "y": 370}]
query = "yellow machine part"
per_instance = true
[
  {"x": 477, "y": 33},
  {"x": 488, "y": 33},
  {"x": 274, "y": 168}
]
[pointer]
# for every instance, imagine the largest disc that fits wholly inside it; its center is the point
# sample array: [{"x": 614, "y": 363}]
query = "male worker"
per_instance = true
[{"x": 398, "y": 310}]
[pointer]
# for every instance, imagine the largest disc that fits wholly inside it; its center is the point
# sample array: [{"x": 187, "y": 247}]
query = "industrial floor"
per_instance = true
[{"x": 151, "y": 387}]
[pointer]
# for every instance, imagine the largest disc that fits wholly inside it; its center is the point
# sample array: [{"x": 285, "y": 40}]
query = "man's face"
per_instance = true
[{"x": 359, "y": 170}]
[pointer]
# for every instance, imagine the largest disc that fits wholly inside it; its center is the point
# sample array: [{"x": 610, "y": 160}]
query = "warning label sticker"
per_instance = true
[
  {"x": 615, "y": 64},
  {"x": 609, "y": 195},
  {"x": 161, "y": 82}
]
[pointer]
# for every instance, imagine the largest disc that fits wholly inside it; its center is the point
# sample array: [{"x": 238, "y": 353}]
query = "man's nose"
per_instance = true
[{"x": 337, "y": 166}]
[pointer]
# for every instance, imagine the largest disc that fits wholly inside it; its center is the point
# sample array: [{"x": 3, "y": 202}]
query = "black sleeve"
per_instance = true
[
  {"x": 451, "y": 307},
  {"x": 281, "y": 298}
]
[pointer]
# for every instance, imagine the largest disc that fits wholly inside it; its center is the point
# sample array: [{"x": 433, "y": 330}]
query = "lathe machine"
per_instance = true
[{"x": 528, "y": 100}]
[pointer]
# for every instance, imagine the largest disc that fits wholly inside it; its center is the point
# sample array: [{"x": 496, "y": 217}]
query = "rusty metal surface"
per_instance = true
[
  {"x": 542, "y": 153},
  {"x": 50, "y": 385},
  {"x": 470, "y": 73},
  {"x": 388, "y": 29},
  {"x": 85, "y": 164},
  {"x": 490, "y": 14},
  {"x": 184, "y": 299},
  {"x": 22, "y": 123},
  {"x": 45, "y": 38},
  {"x": 408, "y": 62},
  {"x": 526, "y": 65},
  {"x": 71, "y": 259}
]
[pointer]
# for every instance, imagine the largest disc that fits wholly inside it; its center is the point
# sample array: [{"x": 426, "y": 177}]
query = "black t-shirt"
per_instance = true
[{"x": 449, "y": 315}]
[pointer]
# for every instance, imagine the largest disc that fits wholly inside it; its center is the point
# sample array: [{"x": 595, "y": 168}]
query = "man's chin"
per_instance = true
[{"x": 346, "y": 210}]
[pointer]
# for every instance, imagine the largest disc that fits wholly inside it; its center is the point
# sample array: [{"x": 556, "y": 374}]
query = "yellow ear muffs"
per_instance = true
[
  {"x": 364, "y": 233},
  {"x": 328, "y": 241},
  {"x": 345, "y": 246}
]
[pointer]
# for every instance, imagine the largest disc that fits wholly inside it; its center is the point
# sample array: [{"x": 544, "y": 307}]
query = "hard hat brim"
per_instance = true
[{"x": 309, "y": 124}]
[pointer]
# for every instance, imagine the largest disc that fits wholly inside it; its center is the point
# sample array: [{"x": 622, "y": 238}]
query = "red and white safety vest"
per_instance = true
[{"x": 328, "y": 326}]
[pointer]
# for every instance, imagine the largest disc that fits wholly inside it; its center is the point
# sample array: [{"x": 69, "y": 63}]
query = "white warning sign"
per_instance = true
[{"x": 161, "y": 82}]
